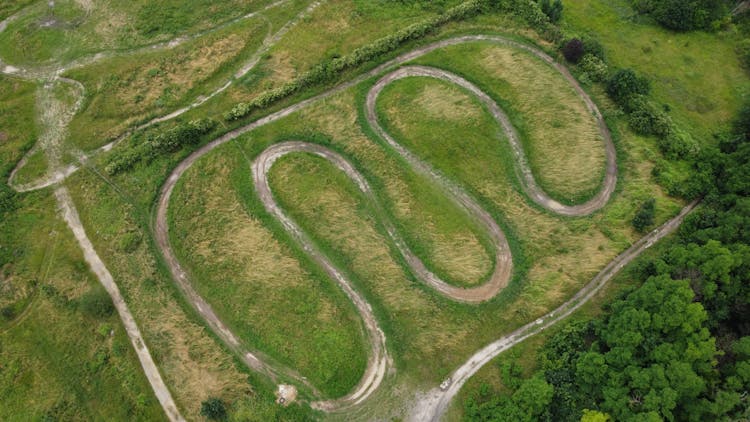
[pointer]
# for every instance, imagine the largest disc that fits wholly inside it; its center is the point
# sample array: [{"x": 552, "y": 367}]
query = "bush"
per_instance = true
[
  {"x": 573, "y": 50},
  {"x": 8, "y": 199},
  {"x": 594, "y": 68},
  {"x": 625, "y": 84},
  {"x": 552, "y": 8},
  {"x": 97, "y": 303},
  {"x": 644, "y": 217},
  {"x": 213, "y": 409},
  {"x": 743, "y": 51},
  {"x": 646, "y": 119},
  {"x": 678, "y": 145},
  {"x": 593, "y": 47}
]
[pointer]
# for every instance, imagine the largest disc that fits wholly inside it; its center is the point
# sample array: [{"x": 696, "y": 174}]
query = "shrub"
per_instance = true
[
  {"x": 8, "y": 199},
  {"x": 625, "y": 84},
  {"x": 645, "y": 119},
  {"x": 594, "y": 67},
  {"x": 213, "y": 409},
  {"x": 97, "y": 303},
  {"x": 678, "y": 145},
  {"x": 552, "y": 8},
  {"x": 644, "y": 217},
  {"x": 168, "y": 141},
  {"x": 743, "y": 51},
  {"x": 593, "y": 47},
  {"x": 129, "y": 241},
  {"x": 573, "y": 50}
]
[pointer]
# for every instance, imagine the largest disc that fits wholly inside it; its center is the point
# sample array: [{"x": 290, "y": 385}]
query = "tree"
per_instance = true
[
  {"x": 214, "y": 409},
  {"x": 644, "y": 217},
  {"x": 573, "y": 50}
]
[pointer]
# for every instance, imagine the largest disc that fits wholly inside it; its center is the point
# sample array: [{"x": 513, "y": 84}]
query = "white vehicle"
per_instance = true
[{"x": 446, "y": 383}]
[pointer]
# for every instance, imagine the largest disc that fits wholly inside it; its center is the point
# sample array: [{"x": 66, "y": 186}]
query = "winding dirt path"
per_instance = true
[{"x": 378, "y": 361}]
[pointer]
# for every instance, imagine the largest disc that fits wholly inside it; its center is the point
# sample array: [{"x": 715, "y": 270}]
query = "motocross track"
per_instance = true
[{"x": 378, "y": 362}]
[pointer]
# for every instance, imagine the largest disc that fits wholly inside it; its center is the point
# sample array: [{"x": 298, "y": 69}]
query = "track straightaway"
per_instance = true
[{"x": 378, "y": 361}]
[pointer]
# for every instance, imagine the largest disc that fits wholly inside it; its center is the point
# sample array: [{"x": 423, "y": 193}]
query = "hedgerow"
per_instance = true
[
  {"x": 329, "y": 69},
  {"x": 168, "y": 141}
]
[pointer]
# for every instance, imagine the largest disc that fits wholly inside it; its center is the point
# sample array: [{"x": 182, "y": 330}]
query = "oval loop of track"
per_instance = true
[{"x": 378, "y": 360}]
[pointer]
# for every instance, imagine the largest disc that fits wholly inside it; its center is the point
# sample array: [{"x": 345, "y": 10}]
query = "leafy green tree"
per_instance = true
[{"x": 595, "y": 416}]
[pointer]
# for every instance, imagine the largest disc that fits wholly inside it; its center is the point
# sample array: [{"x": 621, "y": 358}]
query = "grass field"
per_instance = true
[
  {"x": 560, "y": 137},
  {"x": 428, "y": 334},
  {"x": 701, "y": 98},
  {"x": 275, "y": 301},
  {"x": 125, "y": 90},
  {"x": 242, "y": 262},
  {"x": 59, "y": 360},
  {"x": 77, "y": 366},
  {"x": 70, "y": 29},
  {"x": 17, "y": 120}
]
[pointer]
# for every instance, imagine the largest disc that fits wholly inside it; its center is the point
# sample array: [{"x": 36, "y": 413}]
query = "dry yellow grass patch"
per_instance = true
[
  {"x": 179, "y": 74},
  {"x": 567, "y": 152},
  {"x": 438, "y": 101}
]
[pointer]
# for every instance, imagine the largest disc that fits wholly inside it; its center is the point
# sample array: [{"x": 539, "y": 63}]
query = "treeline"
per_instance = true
[
  {"x": 686, "y": 15},
  {"x": 676, "y": 348}
]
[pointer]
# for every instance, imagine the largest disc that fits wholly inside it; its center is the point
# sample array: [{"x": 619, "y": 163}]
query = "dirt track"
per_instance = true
[{"x": 378, "y": 360}]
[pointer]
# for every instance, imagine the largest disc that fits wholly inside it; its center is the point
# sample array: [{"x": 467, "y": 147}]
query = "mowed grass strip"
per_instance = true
[
  {"x": 258, "y": 285},
  {"x": 560, "y": 136}
]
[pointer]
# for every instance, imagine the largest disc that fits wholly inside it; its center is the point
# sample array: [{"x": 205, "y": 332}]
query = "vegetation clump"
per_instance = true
[
  {"x": 684, "y": 15},
  {"x": 214, "y": 409},
  {"x": 573, "y": 50},
  {"x": 155, "y": 144}
]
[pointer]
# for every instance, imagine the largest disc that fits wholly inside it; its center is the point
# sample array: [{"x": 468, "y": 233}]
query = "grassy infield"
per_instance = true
[{"x": 245, "y": 265}]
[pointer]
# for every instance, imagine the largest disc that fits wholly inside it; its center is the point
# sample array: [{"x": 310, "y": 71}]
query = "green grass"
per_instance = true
[
  {"x": 19, "y": 131},
  {"x": 70, "y": 29},
  {"x": 560, "y": 138},
  {"x": 697, "y": 74},
  {"x": 57, "y": 360},
  {"x": 9, "y": 7},
  {"x": 287, "y": 310}
]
